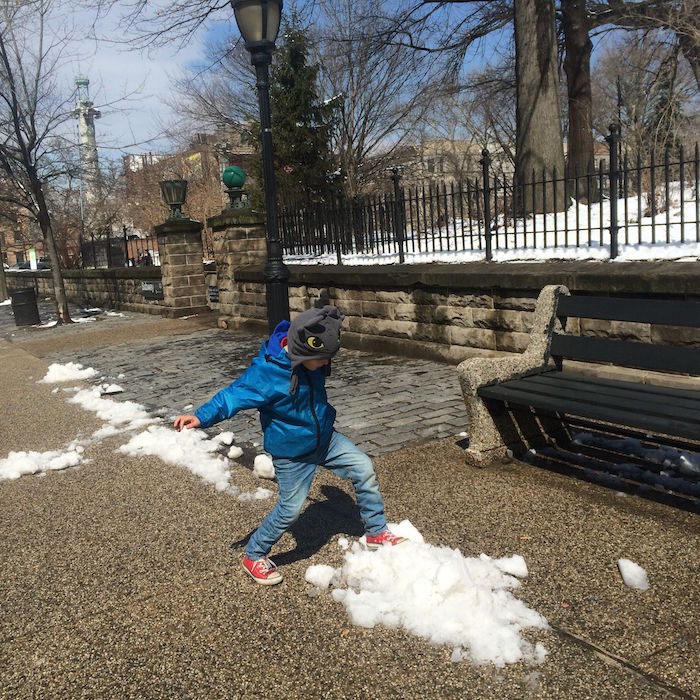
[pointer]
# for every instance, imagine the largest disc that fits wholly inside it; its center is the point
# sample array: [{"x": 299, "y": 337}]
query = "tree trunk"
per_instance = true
[
  {"x": 59, "y": 290},
  {"x": 3, "y": 282},
  {"x": 577, "y": 65},
  {"x": 691, "y": 51},
  {"x": 539, "y": 144}
]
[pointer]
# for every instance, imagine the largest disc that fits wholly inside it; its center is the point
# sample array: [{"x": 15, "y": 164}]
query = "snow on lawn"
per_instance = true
[
  {"x": 633, "y": 575},
  {"x": 438, "y": 594},
  {"x": 69, "y": 372},
  {"x": 18, "y": 463}
]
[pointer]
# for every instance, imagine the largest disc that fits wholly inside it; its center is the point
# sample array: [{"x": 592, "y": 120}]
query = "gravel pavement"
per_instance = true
[{"x": 121, "y": 578}]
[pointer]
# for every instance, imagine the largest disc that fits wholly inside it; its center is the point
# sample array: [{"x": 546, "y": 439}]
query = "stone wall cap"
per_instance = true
[
  {"x": 177, "y": 226},
  {"x": 235, "y": 217}
]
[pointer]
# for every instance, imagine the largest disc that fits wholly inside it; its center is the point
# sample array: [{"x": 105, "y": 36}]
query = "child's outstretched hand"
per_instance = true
[{"x": 186, "y": 422}]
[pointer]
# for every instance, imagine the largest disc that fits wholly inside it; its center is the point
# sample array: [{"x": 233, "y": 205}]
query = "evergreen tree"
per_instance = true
[{"x": 301, "y": 124}]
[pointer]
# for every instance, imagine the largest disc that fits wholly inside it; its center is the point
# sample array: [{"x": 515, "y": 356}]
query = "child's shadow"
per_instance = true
[{"x": 318, "y": 524}]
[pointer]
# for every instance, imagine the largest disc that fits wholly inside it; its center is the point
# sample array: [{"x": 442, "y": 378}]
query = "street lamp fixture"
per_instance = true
[
  {"x": 259, "y": 23},
  {"x": 174, "y": 194}
]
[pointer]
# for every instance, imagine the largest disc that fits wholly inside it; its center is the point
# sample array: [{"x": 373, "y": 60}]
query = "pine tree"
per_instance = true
[{"x": 301, "y": 124}]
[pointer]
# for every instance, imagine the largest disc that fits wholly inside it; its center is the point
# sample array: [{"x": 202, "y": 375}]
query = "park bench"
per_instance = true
[{"x": 512, "y": 403}]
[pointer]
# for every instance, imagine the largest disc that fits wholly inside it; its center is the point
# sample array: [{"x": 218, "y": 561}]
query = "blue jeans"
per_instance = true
[{"x": 294, "y": 477}]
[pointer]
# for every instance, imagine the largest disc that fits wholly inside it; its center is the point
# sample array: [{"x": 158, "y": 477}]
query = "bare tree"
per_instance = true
[{"x": 32, "y": 112}]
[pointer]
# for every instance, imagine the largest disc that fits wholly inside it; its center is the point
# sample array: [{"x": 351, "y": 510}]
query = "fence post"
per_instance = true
[
  {"x": 398, "y": 218},
  {"x": 485, "y": 165},
  {"x": 109, "y": 249},
  {"x": 126, "y": 246},
  {"x": 613, "y": 139}
]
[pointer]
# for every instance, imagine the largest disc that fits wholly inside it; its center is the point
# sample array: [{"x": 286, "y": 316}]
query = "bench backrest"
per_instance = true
[{"x": 625, "y": 353}]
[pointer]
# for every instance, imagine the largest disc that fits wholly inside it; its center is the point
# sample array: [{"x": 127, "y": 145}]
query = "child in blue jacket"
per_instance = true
[{"x": 286, "y": 382}]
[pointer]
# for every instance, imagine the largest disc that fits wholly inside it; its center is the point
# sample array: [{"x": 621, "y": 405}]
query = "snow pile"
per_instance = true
[
  {"x": 438, "y": 594},
  {"x": 7, "y": 302},
  {"x": 110, "y": 389},
  {"x": 71, "y": 371},
  {"x": 126, "y": 414},
  {"x": 633, "y": 575},
  {"x": 263, "y": 467},
  {"x": 188, "y": 448},
  {"x": 18, "y": 463}
]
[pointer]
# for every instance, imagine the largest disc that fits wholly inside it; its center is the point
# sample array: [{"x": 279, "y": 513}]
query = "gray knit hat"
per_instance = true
[{"x": 314, "y": 335}]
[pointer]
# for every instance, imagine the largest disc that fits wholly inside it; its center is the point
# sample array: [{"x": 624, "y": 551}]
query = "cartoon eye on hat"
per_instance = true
[{"x": 315, "y": 342}]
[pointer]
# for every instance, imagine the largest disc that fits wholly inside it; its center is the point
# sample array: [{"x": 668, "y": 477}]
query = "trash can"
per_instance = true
[{"x": 24, "y": 307}]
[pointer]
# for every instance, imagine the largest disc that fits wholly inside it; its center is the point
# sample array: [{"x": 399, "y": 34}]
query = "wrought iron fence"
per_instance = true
[{"x": 623, "y": 202}]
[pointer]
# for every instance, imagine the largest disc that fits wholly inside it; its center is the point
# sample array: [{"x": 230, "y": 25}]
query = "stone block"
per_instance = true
[
  {"x": 500, "y": 320},
  {"x": 454, "y": 315},
  {"x": 517, "y": 302},
  {"x": 394, "y": 297},
  {"x": 473, "y": 337},
  {"x": 675, "y": 335},
  {"x": 377, "y": 309},
  {"x": 477, "y": 301},
  {"x": 429, "y": 298},
  {"x": 512, "y": 341},
  {"x": 350, "y": 307}
]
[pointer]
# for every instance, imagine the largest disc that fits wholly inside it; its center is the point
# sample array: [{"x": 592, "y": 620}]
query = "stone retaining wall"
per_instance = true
[
  {"x": 452, "y": 312},
  {"x": 116, "y": 288}
]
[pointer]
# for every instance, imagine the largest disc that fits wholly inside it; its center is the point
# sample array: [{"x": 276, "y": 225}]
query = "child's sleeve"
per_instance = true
[{"x": 250, "y": 390}]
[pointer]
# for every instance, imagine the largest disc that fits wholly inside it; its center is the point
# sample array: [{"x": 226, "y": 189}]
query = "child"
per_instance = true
[{"x": 286, "y": 382}]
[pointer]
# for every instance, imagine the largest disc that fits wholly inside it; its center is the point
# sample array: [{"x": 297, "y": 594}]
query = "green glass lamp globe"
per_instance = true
[{"x": 233, "y": 176}]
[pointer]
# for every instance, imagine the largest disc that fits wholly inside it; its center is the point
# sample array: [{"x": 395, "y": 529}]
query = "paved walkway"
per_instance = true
[{"x": 383, "y": 402}]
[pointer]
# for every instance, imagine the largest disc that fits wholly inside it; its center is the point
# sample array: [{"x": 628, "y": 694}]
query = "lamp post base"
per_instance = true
[{"x": 276, "y": 276}]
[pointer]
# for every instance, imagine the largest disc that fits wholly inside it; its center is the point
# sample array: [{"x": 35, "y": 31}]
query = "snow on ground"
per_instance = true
[
  {"x": 263, "y": 467},
  {"x": 533, "y": 239},
  {"x": 438, "y": 594},
  {"x": 633, "y": 575},
  {"x": 17, "y": 464},
  {"x": 191, "y": 449},
  {"x": 121, "y": 414},
  {"x": 7, "y": 302},
  {"x": 71, "y": 371}
]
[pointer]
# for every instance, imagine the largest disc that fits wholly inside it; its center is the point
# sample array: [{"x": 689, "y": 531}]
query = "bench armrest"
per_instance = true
[{"x": 486, "y": 440}]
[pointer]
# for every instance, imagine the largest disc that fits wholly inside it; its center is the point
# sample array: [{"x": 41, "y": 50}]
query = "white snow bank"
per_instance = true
[
  {"x": 263, "y": 467},
  {"x": 633, "y": 575},
  {"x": 18, "y": 463},
  {"x": 188, "y": 448},
  {"x": 71, "y": 371},
  {"x": 438, "y": 594},
  {"x": 127, "y": 414}
]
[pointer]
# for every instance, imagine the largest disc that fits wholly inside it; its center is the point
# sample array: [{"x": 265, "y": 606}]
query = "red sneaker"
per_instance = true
[
  {"x": 262, "y": 571},
  {"x": 386, "y": 537}
]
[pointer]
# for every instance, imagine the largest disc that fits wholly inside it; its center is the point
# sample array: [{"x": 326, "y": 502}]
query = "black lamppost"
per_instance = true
[{"x": 259, "y": 22}]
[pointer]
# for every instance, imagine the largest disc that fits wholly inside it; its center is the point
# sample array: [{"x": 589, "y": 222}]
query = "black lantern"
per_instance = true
[
  {"x": 259, "y": 22},
  {"x": 174, "y": 194}
]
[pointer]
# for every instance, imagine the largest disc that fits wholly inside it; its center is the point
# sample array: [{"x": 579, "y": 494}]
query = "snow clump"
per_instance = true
[
  {"x": 71, "y": 371},
  {"x": 633, "y": 575},
  {"x": 17, "y": 464},
  {"x": 263, "y": 467}
]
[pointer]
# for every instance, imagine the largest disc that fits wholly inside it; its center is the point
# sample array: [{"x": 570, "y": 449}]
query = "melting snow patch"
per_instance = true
[
  {"x": 7, "y": 302},
  {"x": 438, "y": 594},
  {"x": 110, "y": 389},
  {"x": 343, "y": 543},
  {"x": 515, "y": 565},
  {"x": 18, "y": 463},
  {"x": 84, "y": 320},
  {"x": 320, "y": 575},
  {"x": 189, "y": 448},
  {"x": 633, "y": 575},
  {"x": 263, "y": 467},
  {"x": 127, "y": 414},
  {"x": 71, "y": 371},
  {"x": 260, "y": 494}
]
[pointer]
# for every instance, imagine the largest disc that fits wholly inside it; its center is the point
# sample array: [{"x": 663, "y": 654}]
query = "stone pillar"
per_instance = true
[
  {"x": 239, "y": 240},
  {"x": 182, "y": 267}
]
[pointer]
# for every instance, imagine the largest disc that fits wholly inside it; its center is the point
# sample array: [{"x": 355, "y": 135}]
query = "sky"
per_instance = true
[{"x": 131, "y": 87}]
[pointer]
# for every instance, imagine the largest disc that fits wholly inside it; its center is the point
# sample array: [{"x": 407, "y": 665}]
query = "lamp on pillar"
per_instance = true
[
  {"x": 174, "y": 194},
  {"x": 259, "y": 22}
]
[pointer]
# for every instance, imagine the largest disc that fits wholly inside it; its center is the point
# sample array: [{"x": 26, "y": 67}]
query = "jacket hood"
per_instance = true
[{"x": 274, "y": 344}]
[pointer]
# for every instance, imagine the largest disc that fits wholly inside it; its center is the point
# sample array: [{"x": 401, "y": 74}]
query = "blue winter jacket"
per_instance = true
[{"x": 293, "y": 424}]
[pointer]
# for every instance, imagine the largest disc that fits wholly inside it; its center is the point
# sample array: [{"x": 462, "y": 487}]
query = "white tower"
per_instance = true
[{"x": 86, "y": 115}]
